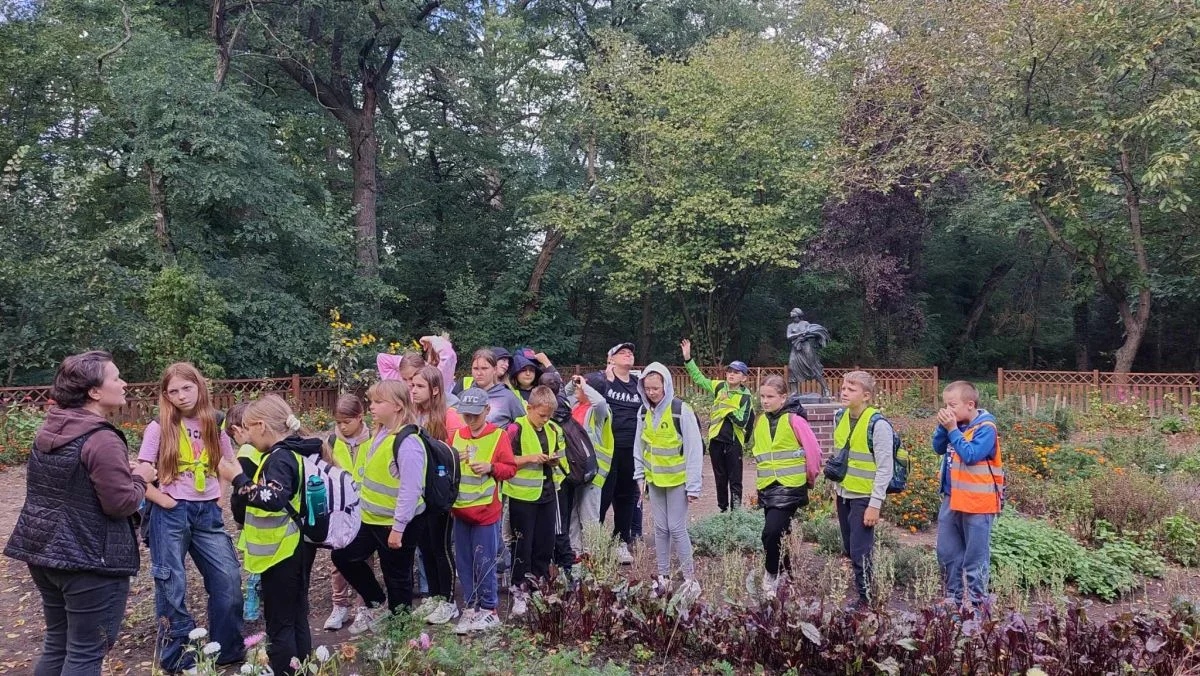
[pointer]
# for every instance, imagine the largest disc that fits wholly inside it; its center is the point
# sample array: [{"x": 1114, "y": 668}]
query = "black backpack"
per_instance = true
[
  {"x": 835, "y": 469},
  {"x": 581, "y": 453},
  {"x": 442, "y": 470}
]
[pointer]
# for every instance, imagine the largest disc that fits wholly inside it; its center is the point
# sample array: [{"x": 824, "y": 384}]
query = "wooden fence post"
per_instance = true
[
  {"x": 937, "y": 381},
  {"x": 999, "y": 384},
  {"x": 1096, "y": 378},
  {"x": 296, "y": 388}
]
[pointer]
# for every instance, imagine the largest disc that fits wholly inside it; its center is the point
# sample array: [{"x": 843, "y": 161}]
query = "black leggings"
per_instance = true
[
  {"x": 778, "y": 523},
  {"x": 434, "y": 544},
  {"x": 285, "y": 609},
  {"x": 396, "y": 564},
  {"x": 533, "y": 532}
]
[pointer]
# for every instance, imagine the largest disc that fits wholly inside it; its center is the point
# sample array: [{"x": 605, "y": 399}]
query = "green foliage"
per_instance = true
[
  {"x": 186, "y": 314},
  {"x": 18, "y": 426},
  {"x": 1179, "y": 539},
  {"x": 1146, "y": 451},
  {"x": 1130, "y": 501},
  {"x": 732, "y": 531}
]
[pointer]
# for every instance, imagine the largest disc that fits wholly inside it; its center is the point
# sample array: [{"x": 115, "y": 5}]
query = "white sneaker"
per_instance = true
[
  {"x": 689, "y": 591},
  {"x": 466, "y": 623},
  {"x": 367, "y": 619},
  {"x": 519, "y": 604},
  {"x": 337, "y": 617},
  {"x": 663, "y": 582},
  {"x": 424, "y": 607},
  {"x": 769, "y": 584},
  {"x": 486, "y": 620},
  {"x": 443, "y": 613},
  {"x": 623, "y": 556}
]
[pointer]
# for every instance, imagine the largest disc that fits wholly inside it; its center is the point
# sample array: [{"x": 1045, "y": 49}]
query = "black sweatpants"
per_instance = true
[
  {"x": 726, "y": 457},
  {"x": 435, "y": 552},
  {"x": 533, "y": 534},
  {"x": 285, "y": 609},
  {"x": 83, "y": 613},
  {"x": 620, "y": 491},
  {"x": 778, "y": 523},
  {"x": 395, "y": 564},
  {"x": 564, "y": 556},
  {"x": 857, "y": 542}
]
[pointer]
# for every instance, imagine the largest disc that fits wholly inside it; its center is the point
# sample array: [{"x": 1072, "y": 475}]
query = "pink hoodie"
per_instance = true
[
  {"x": 388, "y": 365},
  {"x": 812, "y": 447}
]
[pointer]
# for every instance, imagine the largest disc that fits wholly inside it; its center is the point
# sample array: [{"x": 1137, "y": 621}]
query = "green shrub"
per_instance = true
[
  {"x": 827, "y": 535},
  {"x": 1190, "y": 465},
  {"x": 1145, "y": 451},
  {"x": 1179, "y": 539},
  {"x": 1130, "y": 500},
  {"x": 1171, "y": 424},
  {"x": 18, "y": 425},
  {"x": 737, "y": 530},
  {"x": 1096, "y": 573},
  {"x": 1034, "y": 550},
  {"x": 915, "y": 564},
  {"x": 1076, "y": 462}
]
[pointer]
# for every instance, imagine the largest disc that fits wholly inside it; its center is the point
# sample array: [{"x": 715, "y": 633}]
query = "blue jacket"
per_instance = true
[{"x": 981, "y": 448}]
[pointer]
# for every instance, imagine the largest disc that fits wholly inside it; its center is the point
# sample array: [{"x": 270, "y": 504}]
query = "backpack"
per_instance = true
[
  {"x": 581, "y": 453},
  {"x": 835, "y": 469},
  {"x": 329, "y": 514},
  {"x": 442, "y": 470}
]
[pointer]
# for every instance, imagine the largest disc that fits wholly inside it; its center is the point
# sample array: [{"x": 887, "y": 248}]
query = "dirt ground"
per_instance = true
[{"x": 21, "y": 626}]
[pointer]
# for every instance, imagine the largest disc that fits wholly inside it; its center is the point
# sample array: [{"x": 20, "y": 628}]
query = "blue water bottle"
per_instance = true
[
  {"x": 441, "y": 470},
  {"x": 318, "y": 500}
]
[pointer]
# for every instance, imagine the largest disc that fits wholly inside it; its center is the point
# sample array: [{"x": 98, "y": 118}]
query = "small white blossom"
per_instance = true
[
  {"x": 211, "y": 648},
  {"x": 197, "y": 634},
  {"x": 322, "y": 653}
]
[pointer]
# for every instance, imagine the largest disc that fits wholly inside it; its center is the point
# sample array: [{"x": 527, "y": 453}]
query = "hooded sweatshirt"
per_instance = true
[
  {"x": 523, "y": 357},
  {"x": 280, "y": 476},
  {"x": 105, "y": 457},
  {"x": 506, "y": 407},
  {"x": 693, "y": 442},
  {"x": 503, "y": 469},
  {"x": 981, "y": 447}
]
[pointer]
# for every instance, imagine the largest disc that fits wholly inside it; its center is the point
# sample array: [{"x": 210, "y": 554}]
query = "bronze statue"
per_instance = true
[{"x": 806, "y": 338}]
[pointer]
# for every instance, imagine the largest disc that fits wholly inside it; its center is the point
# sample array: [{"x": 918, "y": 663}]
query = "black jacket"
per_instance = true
[{"x": 776, "y": 496}]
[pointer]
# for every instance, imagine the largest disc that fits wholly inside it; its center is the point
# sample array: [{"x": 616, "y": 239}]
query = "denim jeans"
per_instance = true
[
  {"x": 195, "y": 528},
  {"x": 475, "y": 556},
  {"x": 963, "y": 550},
  {"x": 83, "y": 617}
]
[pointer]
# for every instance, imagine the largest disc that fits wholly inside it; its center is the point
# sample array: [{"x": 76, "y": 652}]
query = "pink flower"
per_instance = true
[
  {"x": 295, "y": 663},
  {"x": 253, "y": 640},
  {"x": 425, "y": 642}
]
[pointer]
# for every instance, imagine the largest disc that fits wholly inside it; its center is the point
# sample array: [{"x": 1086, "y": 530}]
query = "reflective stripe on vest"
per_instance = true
[
  {"x": 250, "y": 453},
  {"x": 585, "y": 414},
  {"x": 188, "y": 462},
  {"x": 779, "y": 457},
  {"x": 378, "y": 483},
  {"x": 473, "y": 489},
  {"x": 270, "y": 537},
  {"x": 526, "y": 485},
  {"x": 723, "y": 407},
  {"x": 860, "y": 475},
  {"x": 662, "y": 451},
  {"x": 976, "y": 489}
]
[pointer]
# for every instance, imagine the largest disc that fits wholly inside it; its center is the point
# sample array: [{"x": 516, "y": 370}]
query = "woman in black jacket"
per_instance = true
[{"x": 76, "y": 529}]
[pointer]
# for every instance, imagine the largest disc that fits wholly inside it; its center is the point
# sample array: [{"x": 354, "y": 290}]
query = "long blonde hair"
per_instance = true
[
  {"x": 434, "y": 410},
  {"x": 170, "y": 418},
  {"x": 396, "y": 392}
]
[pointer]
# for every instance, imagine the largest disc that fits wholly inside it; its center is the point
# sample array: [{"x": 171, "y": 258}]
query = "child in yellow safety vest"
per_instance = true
[
  {"x": 271, "y": 542},
  {"x": 349, "y": 440},
  {"x": 972, "y": 488},
  {"x": 728, "y": 425},
  {"x": 669, "y": 455},
  {"x": 867, "y": 436},
  {"x": 249, "y": 458},
  {"x": 787, "y": 459},
  {"x": 539, "y": 455},
  {"x": 186, "y": 444}
]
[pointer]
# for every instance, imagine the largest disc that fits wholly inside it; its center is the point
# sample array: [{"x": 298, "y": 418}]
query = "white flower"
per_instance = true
[
  {"x": 322, "y": 653},
  {"x": 197, "y": 634},
  {"x": 247, "y": 668},
  {"x": 211, "y": 648}
]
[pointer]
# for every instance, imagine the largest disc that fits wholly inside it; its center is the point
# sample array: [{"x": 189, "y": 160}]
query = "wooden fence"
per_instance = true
[
  {"x": 1071, "y": 389},
  {"x": 309, "y": 392}
]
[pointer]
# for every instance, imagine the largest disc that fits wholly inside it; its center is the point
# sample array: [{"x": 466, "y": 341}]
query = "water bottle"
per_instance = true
[
  {"x": 441, "y": 470},
  {"x": 318, "y": 500}
]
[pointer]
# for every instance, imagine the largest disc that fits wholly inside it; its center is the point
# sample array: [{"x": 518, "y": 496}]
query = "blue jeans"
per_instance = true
[
  {"x": 964, "y": 550},
  {"x": 194, "y": 528},
  {"x": 475, "y": 550}
]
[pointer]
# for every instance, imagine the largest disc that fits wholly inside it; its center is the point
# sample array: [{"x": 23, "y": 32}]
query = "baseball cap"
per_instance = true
[
  {"x": 739, "y": 366},
  {"x": 472, "y": 401},
  {"x": 621, "y": 346}
]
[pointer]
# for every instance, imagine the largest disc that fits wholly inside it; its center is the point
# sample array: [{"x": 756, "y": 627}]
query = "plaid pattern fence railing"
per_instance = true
[{"x": 1071, "y": 389}]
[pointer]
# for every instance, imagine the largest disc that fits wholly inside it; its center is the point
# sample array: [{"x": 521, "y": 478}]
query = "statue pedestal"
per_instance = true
[{"x": 820, "y": 418}]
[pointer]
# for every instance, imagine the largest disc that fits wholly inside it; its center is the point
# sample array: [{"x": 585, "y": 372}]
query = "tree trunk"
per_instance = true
[
  {"x": 1135, "y": 321},
  {"x": 554, "y": 237},
  {"x": 1079, "y": 318},
  {"x": 158, "y": 201},
  {"x": 217, "y": 29},
  {"x": 364, "y": 150}
]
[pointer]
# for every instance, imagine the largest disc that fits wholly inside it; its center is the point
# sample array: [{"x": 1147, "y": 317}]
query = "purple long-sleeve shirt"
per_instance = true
[{"x": 410, "y": 462}]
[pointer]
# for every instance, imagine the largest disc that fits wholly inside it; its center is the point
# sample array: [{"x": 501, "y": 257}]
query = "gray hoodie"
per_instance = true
[
  {"x": 693, "y": 443},
  {"x": 506, "y": 406}
]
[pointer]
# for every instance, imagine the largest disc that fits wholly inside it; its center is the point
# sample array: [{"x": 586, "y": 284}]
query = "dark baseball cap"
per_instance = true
[
  {"x": 472, "y": 401},
  {"x": 621, "y": 346},
  {"x": 739, "y": 366}
]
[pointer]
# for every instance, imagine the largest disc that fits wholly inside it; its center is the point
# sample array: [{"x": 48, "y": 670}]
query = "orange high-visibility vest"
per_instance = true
[{"x": 976, "y": 489}]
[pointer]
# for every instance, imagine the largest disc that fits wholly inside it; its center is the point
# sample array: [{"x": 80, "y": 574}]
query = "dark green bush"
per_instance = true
[{"x": 738, "y": 530}]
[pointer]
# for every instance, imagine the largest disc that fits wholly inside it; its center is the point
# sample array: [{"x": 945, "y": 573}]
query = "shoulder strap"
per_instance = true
[
  {"x": 875, "y": 417},
  {"x": 332, "y": 440}
]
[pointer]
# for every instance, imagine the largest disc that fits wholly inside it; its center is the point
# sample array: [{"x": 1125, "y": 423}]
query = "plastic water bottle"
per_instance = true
[
  {"x": 318, "y": 500},
  {"x": 441, "y": 470}
]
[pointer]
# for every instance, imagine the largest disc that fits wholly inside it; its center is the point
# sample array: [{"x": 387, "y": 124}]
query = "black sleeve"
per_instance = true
[
  {"x": 279, "y": 483},
  {"x": 237, "y": 502}
]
